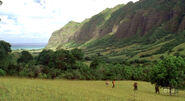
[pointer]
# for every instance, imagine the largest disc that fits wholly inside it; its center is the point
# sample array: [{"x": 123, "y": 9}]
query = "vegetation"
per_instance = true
[
  {"x": 153, "y": 51},
  {"x": 70, "y": 64},
  {"x": 169, "y": 72},
  {"x": 25, "y": 57}
]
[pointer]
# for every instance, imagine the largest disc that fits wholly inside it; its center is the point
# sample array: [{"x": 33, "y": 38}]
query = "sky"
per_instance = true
[{"x": 33, "y": 21}]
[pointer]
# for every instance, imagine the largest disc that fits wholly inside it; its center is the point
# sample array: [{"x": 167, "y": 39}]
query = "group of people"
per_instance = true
[
  {"x": 135, "y": 85},
  {"x": 113, "y": 84}
]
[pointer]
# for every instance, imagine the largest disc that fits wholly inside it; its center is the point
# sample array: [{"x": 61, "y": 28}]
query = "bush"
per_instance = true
[
  {"x": 25, "y": 57},
  {"x": 94, "y": 63},
  {"x": 23, "y": 74},
  {"x": 2, "y": 72},
  {"x": 180, "y": 49},
  {"x": 31, "y": 74},
  {"x": 42, "y": 76},
  {"x": 87, "y": 58},
  {"x": 145, "y": 55},
  {"x": 176, "y": 54}
]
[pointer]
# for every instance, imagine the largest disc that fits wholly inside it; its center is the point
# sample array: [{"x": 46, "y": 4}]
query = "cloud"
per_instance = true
[{"x": 33, "y": 21}]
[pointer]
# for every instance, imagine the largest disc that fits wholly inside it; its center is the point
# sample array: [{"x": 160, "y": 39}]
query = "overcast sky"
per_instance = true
[{"x": 33, "y": 21}]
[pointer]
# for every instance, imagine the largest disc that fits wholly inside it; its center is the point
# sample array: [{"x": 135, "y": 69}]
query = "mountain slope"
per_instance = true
[
  {"x": 63, "y": 35},
  {"x": 80, "y": 32},
  {"x": 136, "y": 30}
]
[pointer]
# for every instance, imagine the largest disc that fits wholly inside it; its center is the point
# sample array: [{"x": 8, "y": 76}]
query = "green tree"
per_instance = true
[
  {"x": 77, "y": 53},
  {"x": 5, "y": 49},
  {"x": 62, "y": 59},
  {"x": 25, "y": 57},
  {"x": 45, "y": 57},
  {"x": 2, "y": 72},
  {"x": 169, "y": 72},
  {"x": 94, "y": 63}
]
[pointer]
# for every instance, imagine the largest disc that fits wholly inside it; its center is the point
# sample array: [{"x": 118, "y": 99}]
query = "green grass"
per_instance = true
[{"x": 22, "y": 89}]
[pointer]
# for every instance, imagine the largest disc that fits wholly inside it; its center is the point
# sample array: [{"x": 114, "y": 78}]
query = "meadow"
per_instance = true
[{"x": 23, "y": 89}]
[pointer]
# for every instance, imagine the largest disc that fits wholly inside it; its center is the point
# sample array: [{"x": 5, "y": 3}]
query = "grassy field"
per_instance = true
[{"x": 22, "y": 89}]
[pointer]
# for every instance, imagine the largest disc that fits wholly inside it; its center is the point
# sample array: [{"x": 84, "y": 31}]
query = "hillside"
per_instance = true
[
  {"x": 63, "y": 35},
  {"x": 146, "y": 29}
]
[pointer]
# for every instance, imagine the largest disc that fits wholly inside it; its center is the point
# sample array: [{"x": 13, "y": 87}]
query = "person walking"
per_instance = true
[
  {"x": 135, "y": 86},
  {"x": 113, "y": 84},
  {"x": 107, "y": 83},
  {"x": 157, "y": 89}
]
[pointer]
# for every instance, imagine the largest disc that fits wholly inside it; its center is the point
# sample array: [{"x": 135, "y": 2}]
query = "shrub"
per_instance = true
[
  {"x": 2, "y": 72},
  {"x": 25, "y": 57},
  {"x": 31, "y": 74},
  {"x": 180, "y": 49},
  {"x": 23, "y": 74},
  {"x": 42, "y": 76}
]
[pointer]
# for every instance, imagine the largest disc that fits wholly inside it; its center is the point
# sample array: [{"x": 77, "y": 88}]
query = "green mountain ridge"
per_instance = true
[{"x": 146, "y": 30}]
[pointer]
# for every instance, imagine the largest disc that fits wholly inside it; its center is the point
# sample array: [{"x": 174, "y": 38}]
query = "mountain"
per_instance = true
[
  {"x": 145, "y": 29},
  {"x": 79, "y": 32},
  {"x": 63, "y": 35}
]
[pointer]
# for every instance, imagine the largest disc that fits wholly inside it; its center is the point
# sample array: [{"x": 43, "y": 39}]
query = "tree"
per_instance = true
[
  {"x": 62, "y": 59},
  {"x": 5, "y": 49},
  {"x": 25, "y": 57},
  {"x": 94, "y": 63},
  {"x": 169, "y": 72},
  {"x": 45, "y": 57},
  {"x": 77, "y": 53}
]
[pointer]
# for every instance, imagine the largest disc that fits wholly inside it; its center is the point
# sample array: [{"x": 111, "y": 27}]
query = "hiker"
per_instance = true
[
  {"x": 107, "y": 83},
  {"x": 135, "y": 86},
  {"x": 113, "y": 83},
  {"x": 157, "y": 89}
]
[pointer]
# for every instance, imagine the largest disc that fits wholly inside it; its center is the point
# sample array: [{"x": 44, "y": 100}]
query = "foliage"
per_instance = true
[
  {"x": 25, "y": 57},
  {"x": 5, "y": 49},
  {"x": 62, "y": 59},
  {"x": 94, "y": 63},
  {"x": 169, "y": 72},
  {"x": 77, "y": 53},
  {"x": 177, "y": 39},
  {"x": 2, "y": 72},
  {"x": 45, "y": 57}
]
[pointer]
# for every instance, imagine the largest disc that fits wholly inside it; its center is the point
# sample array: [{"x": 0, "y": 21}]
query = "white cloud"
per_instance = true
[{"x": 35, "y": 21}]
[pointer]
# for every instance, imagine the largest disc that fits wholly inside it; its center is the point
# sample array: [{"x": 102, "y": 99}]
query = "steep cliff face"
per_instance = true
[
  {"x": 124, "y": 21},
  {"x": 92, "y": 28},
  {"x": 63, "y": 35},
  {"x": 142, "y": 17}
]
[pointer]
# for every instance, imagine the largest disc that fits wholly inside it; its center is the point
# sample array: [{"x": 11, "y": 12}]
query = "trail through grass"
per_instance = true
[{"x": 22, "y": 89}]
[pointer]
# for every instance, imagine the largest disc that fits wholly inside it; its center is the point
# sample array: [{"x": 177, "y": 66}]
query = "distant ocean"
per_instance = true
[{"x": 27, "y": 46}]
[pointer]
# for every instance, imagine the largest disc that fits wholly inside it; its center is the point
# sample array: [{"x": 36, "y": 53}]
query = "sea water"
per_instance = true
[{"x": 27, "y": 46}]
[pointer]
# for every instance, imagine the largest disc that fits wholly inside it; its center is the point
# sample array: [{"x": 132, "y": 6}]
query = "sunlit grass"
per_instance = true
[{"x": 22, "y": 89}]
